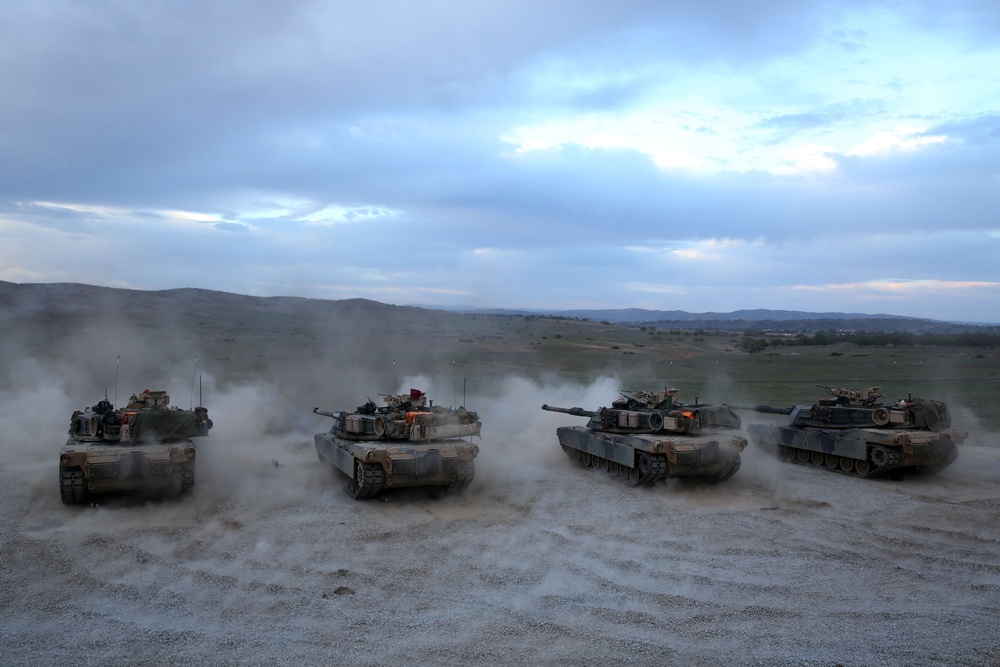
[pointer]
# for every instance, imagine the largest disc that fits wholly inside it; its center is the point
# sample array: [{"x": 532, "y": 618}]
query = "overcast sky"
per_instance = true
[{"x": 702, "y": 156}]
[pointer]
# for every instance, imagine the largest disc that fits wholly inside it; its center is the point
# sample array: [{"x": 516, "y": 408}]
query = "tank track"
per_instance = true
[
  {"x": 734, "y": 465},
  {"x": 881, "y": 460},
  {"x": 367, "y": 481},
  {"x": 463, "y": 477},
  {"x": 72, "y": 486},
  {"x": 930, "y": 470},
  {"x": 182, "y": 480},
  {"x": 187, "y": 477},
  {"x": 649, "y": 468}
]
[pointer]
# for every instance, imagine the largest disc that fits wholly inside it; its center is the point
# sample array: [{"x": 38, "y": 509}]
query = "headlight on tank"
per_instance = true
[
  {"x": 190, "y": 452},
  {"x": 474, "y": 449},
  {"x": 64, "y": 458},
  {"x": 370, "y": 455}
]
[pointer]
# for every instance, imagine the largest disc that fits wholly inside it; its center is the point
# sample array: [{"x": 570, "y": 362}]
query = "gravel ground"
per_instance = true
[{"x": 539, "y": 562}]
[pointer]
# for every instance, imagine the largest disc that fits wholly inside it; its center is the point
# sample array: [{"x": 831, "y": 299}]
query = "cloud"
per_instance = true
[{"x": 448, "y": 151}]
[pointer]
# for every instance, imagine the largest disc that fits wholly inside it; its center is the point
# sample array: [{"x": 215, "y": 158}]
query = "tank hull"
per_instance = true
[
  {"x": 373, "y": 466},
  {"x": 865, "y": 452},
  {"x": 641, "y": 459},
  {"x": 91, "y": 469}
]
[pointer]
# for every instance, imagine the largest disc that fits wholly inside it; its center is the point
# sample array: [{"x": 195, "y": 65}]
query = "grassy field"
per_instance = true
[{"x": 315, "y": 344}]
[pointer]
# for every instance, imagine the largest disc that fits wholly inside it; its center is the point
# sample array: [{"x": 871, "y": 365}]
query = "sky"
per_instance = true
[{"x": 709, "y": 157}]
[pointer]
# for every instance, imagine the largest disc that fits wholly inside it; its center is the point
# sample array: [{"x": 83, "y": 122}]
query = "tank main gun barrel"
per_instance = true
[
  {"x": 769, "y": 409},
  {"x": 577, "y": 412},
  {"x": 325, "y": 413}
]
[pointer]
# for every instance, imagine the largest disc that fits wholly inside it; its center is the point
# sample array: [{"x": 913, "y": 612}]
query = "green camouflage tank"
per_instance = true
[{"x": 646, "y": 437}]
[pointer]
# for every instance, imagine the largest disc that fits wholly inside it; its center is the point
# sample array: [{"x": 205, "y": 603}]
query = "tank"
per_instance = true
[
  {"x": 406, "y": 442},
  {"x": 854, "y": 432},
  {"x": 646, "y": 437},
  {"x": 144, "y": 447}
]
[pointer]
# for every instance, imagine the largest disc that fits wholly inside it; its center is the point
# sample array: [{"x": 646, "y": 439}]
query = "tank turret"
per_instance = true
[
  {"x": 646, "y": 412},
  {"x": 145, "y": 446},
  {"x": 862, "y": 409},
  {"x": 854, "y": 432},
  {"x": 646, "y": 437},
  {"x": 406, "y": 441}
]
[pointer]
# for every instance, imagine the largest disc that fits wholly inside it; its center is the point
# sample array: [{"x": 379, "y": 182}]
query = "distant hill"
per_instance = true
[
  {"x": 759, "y": 319},
  {"x": 16, "y": 298}
]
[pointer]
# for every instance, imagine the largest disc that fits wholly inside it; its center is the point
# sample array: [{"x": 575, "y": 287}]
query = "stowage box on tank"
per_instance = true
[
  {"x": 406, "y": 442},
  {"x": 145, "y": 446},
  {"x": 855, "y": 433},
  {"x": 646, "y": 437}
]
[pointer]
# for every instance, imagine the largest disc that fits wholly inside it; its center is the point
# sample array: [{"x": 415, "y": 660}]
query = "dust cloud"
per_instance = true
[{"x": 268, "y": 561}]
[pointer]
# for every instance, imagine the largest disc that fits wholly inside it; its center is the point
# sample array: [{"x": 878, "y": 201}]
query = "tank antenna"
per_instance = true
[
  {"x": 454, "y": 380},
  {"x": 193, "y": 376},
  {"x": 394, "y": 386},
  {"x": 201, "y": 401},
  {"x": 118, "y": 361},
  {"x": 464, "y": 383}
]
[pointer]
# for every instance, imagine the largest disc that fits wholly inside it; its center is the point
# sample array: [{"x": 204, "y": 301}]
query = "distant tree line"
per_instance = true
[{"x": 756, "y": 341}]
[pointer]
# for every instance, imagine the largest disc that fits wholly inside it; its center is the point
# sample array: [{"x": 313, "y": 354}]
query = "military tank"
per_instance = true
[
  {"x": 145, "y": 447},
  {"x": 645, "y": 437},
  {"x": 406, "y": 442},
  {"x": 854, "y": 432}
]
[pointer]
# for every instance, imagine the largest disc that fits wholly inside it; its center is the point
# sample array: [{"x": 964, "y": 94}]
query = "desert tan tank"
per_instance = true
[
  {"x": 856, "y": 433},
  {"x": 646, "y": 437},
  {"x": 144, "y": 447},
  {"x": 406, "y": 442}
]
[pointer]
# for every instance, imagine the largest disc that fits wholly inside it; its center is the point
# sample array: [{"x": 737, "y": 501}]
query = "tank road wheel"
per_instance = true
[
  {"x": 832, "y": 461},
  {"x": 624, "y": 471},
  {"x": 72, "y": 486},
  {"x": 846, "y": 464},
  {"x": 787, "y": 453},
  {"x": 633, "y": 476},
  {"x": 644, "y": 466},
  {"x": 816, "y": 458},
  {"x": 585, "y": 459},
  {"x": 802, "y": 455},
  {"x": 878, "y": 456},
  {"x": 862, "y": 467},
  {"x": 613, "y": 467}
]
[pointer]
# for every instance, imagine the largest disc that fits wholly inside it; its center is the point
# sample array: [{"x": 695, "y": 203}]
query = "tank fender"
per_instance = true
[
  {"x": 72, "y": 459},
  {"x": 182, "y": 453},
  {"x": 338, "y": 456},
  {"x": 605, "y": 445}
]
